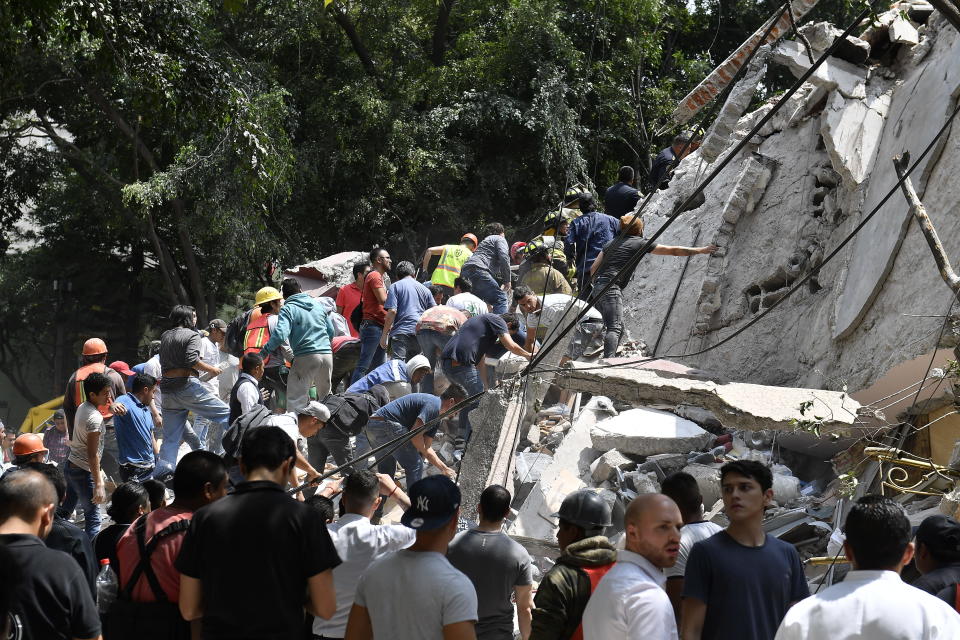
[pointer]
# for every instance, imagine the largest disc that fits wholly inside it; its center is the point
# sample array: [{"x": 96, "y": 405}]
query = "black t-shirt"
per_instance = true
[
  {"x": 71, "y": 539},
  {"x": 616, "y": 254},
  {"x": 105, "y": 544},
  {"x": 53, "y": 599},
  {"x": 658, "y": 172},
  {"x": 939, "y": 579},
  {"x": 475, "y": 338},
  {"x": 620, "y": 200},
  {"x": 253, "y": 552}
]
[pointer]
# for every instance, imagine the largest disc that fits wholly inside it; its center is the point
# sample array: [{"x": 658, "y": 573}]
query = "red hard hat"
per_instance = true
[
  {"x": 472, "y": 238},
  {"x": 516, "y": 248},
  {"x": 94, "y": 347},
  {"x": 28, "y": 444}
]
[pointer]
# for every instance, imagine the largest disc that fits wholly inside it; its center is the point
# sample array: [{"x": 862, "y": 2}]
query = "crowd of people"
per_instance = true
[{"x": 227, "y": 518}]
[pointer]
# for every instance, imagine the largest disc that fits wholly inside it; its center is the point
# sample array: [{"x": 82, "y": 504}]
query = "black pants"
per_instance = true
[{"x": 610, "y": 306}]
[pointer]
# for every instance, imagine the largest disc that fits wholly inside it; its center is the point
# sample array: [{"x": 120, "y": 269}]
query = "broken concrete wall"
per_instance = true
[{"x": 832, "y": 154}]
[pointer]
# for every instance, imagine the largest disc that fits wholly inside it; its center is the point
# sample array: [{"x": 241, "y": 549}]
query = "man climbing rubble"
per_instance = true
[
  {"x": 462, "y": 356},
  {"x": 397, "y": 376},
  {"x": 684, "y": 143},
  {"x": 406, "y": 302},
  {"x": 546, "y": 313},
  {"x": 489, "y": 268},
  {"x": 587, "y": 236},
  {"x": 585, "y": 557},
  {"x": 541, "y": 276},
  {"x": 452, "y": 259},
  {"x": 610, "y": 266}
]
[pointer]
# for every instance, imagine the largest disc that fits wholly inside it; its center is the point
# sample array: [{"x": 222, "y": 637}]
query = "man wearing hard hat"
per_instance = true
[
  {"x": 452, "y": 259},
  {"x": 94, "y": 359},
  {"x": 263, "y": 322}
]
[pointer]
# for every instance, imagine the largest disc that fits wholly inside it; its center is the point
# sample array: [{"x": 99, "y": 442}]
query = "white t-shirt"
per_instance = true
[
  {"x": 358, "y": 543},
  {"x": 88, "y": 420},
  {"x": 210, "y": 354},
  {"x": 469, "y": 304},
  {"x": 230, "y": 365},
  {"x": 552, "y": 309},
  {"x": 871, "y": 604},
  {"x": 288, "y": 422},
  {"x": 413, "y": 595},
  {"x": 690, "y": 535}
]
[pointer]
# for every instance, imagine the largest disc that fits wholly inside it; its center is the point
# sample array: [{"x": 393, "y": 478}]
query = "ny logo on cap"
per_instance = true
[{"x": 423, "y": 503}]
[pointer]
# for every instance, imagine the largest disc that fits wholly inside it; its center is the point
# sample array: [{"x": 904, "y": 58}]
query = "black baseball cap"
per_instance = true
[
  {"x": 941, "y": 535},
  {"x": 433, "y": 501}
]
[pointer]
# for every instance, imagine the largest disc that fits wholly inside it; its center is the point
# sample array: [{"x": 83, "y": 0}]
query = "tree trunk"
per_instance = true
[{"x": 440, "y": 32}]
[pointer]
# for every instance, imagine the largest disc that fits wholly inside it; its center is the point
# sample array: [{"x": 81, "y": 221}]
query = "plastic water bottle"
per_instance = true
[{"x": 107, "y": 586}]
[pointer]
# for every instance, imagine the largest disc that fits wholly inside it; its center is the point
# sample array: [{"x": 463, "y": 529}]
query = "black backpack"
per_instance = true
[
  {"x": 158, "y": 620},
  {"x": 236, "y": 330},
  {"x": 234, "y": 434},
  {"x": 349, "y": 412}
]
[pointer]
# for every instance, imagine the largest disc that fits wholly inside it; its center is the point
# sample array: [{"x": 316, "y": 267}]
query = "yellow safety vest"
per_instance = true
[{"x": 452, "y": 259}]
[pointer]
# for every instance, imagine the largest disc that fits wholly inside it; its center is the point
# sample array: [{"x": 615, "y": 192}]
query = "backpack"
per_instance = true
[
  {"x": 356, "y": 316},
  {"x": 234, "y": 434},
  {"x": 349, "y": 412},
  {"x": 158, "y": 620},
  {"x": 235, "y": 333}
]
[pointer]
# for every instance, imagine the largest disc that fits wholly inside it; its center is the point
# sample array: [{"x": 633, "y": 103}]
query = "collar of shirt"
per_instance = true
[
  {"x": 136, "y": 400},
  {"x": 244, "y": 374},
  {"x": 869, "y": 575},
  {"x": 648, "y": 568},
  {"x": 258, "y": 485},
  {"x": 21, "y": 540}
]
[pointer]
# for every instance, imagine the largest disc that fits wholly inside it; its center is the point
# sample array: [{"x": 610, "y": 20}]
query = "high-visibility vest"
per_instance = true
[
  {"x": 80, "y": 393},
  {"x": 595, "y": 574},
  {"x": 452, "y": 259},
  {"x": 257, "y": 334}
]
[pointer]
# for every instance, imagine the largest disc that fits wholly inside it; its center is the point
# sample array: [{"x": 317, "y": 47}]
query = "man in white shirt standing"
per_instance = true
[
  {"x": 682, "y": 488},
  {"x": 630, "y": 601},
  {"x": 359, "y": 542},
  {"x": 872, "y": 601}
]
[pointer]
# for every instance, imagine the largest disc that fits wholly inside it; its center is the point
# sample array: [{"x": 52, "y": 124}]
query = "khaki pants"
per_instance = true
[{"x": 308, "y": 371}]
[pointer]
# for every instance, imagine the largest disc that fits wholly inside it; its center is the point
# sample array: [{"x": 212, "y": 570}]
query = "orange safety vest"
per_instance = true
[
  {"x": 258, "y": 333},
  {"x": 595, "y": 574},
  {"x": 80, "y": 394}
]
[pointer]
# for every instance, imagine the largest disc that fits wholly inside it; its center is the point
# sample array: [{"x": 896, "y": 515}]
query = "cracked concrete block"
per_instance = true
[
  {"x": 604, "y": 467},
  {"x": 821, "y": 36},
  {"x": 708, "y": 479},
  {"x": 851, "y": 131},
  {"x": 739, "y": 99},
  {"x": 847, "y": 78},
  {"x": 648, "y": 432},
  {"x": 902, "y": 31},
  {"x": 663, "y": 464},
  {"x": 642, "y": 482},
  {"x": 699, "y": 415},
  {"x": 740, "y": 405}
]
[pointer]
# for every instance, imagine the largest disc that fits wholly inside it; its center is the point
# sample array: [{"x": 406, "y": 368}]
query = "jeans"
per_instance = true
[
  {"x": 130, "y": 472},
  {"x": 344, "y": 364},
  {"x": 431, "y": 344},
  {"x": 610, "y": 306},
  {"x": 380, "y": 432},
  {"x": 404, "y": 346},
  {"x": 190, "y": 436},
  {"x": 179, "y": 399},
  {"x": 371, "y": 353},
  {"x": 311, "y": 370},
  {"x": 487, "y": 289},
  {"x": 468, "y": 376},
  {"x": 80, "y": 493}
]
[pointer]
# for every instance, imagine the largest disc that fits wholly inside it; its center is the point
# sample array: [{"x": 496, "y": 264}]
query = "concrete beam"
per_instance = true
[{"x": 737, "y": 405}]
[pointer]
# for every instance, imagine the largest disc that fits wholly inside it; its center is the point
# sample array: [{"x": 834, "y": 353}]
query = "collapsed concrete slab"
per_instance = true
[
  {"x": 845, "y": 77},
  {"x": 647, "y": 432},
  {"x": 738, "y": 405},
  {"x": 851, "y": 131}
]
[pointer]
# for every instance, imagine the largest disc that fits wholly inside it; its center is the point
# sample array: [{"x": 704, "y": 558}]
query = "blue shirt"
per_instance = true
[
  {"x": 405, "y": 411},
  {"x": 389, "y": 371},
  {"x": 586, "y": 237},
  {"x": 134, "y": 432},
  {"x": 746, "y": 589},
  {"x": 410, "y": 299}
]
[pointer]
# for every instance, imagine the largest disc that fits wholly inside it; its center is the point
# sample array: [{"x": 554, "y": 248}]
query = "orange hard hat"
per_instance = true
[
  {"x": 28, "y": 444},
  {"x": 472, "y": 238},
  {"x": 94, "y": 347}
]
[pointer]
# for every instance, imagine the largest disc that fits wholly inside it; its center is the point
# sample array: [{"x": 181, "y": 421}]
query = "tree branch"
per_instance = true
[
  {"x": 919, "y": 212},
  {"x": 342, "y": 19},
  {"x": 441, "y": 31}
]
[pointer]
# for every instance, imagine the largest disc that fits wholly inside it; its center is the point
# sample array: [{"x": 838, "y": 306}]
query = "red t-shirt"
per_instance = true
[
  {"x": 128, "y": 554},
  {"x": 348, "y": 298},
  {"x": 372, "y": 309}
]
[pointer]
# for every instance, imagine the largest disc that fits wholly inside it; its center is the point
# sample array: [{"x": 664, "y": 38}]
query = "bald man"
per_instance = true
[
  {"x": 53, "y": 599},
  {"x": 631, "y": 601}
]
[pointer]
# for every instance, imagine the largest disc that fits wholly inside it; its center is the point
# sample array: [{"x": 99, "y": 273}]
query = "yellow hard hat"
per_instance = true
[{"x": 267, "y": 294}]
